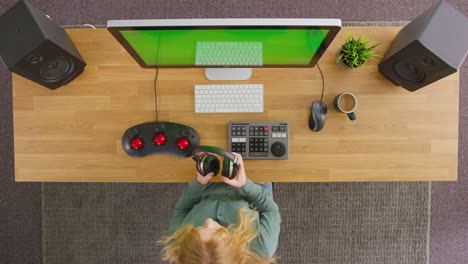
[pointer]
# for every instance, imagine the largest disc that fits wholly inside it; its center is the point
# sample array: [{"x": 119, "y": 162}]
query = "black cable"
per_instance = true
[
  {"x": 323, "y": 81},
  {"x": 156, "y": 79},
  {"x": 156, "y": 92}
]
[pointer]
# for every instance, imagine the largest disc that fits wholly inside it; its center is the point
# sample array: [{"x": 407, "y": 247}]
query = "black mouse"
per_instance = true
[{"x": 317, "y": 117}]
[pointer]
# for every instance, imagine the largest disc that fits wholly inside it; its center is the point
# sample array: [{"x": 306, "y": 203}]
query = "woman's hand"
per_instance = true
[
  {"x": 204, "y": 179},
  {"x": 240, "y": 180}
]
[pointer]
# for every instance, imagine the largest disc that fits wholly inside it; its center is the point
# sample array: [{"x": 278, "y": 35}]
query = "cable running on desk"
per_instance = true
[
  {"x": 156, "y": 79},
  {"x": 156, "y": 93},
  {"x": 323, "y": 81}
]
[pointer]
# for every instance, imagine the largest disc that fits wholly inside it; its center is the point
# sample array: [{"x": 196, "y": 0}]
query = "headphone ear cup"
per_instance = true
[
  {"x": 227, "y": 165},
  {"x": 198, "y": 159},
  {"x": 210, "y": 163},
  {"x": 234, "y": 169}
]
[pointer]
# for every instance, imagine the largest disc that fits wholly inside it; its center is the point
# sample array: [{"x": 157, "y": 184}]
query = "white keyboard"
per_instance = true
[
  {"x": 218, "y": 53},
  {"x": 229, "y": 98}
]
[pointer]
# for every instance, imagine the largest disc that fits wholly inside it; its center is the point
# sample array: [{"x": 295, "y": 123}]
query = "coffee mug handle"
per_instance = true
[{"x": 351, "y": 116}]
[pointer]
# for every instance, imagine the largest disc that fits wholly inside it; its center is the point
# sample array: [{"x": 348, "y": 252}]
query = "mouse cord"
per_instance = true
[
  {"x": 156, "y": 92},
  {"x": 323, "y": 81}
]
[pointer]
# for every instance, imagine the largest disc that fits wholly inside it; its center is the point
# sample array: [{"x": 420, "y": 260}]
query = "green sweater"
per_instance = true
[{"x": 221, "y": 202}]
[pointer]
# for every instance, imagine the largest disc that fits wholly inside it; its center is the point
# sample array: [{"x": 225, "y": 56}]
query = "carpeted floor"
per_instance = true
[
  {"x": 323, "y": 223},
  {"x": 345, "y": 223},
  {"x": 20, "y": 212},
  {"x": 101, "y": 223}
]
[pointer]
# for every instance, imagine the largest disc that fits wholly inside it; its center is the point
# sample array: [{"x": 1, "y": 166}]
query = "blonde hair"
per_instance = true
[{"x": 185, "y": 245}]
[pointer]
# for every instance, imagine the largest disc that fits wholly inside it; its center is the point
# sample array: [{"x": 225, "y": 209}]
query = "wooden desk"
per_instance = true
[{"x": 74, "y": 133}]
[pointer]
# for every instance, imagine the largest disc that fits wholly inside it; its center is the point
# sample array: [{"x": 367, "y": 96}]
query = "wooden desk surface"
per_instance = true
[{"x": 74, "y": 133}]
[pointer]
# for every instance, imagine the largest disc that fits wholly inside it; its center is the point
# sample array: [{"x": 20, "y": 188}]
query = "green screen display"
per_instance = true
[{"x": 225, "y": 47}]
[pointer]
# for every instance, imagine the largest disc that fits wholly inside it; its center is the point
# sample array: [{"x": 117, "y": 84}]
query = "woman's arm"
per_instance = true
[
  {"x": 269, "y": 216},
  {"x": 258, "y": 196},
  {"x": 190, "y": 196}
]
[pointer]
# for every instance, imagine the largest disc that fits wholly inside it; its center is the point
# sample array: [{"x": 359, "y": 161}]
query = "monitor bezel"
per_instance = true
[{"x": 115, "y": 26}]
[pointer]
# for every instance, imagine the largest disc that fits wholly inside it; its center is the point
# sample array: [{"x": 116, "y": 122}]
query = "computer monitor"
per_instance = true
[{"x": 227, "y": 48}]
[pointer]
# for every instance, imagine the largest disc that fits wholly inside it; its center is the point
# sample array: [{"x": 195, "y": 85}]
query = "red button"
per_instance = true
[
  {"x": 183, "y": 143},
  {"x": 265, "y": 128},
  {"x": 137, "y": 143},
  {"x": 159, "y": 139}
]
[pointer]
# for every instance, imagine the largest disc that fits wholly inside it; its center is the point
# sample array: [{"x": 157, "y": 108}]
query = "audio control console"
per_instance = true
[
  {"x": 160, "y": 138},
  {"x": 259, "y": 139}
]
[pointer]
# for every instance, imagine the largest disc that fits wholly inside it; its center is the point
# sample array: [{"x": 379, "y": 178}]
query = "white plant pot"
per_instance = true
[{"x": 342, "y": 64}]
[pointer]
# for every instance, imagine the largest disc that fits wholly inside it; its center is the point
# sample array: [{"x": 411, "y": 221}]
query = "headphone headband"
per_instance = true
[{"x": 215, "y": 150}]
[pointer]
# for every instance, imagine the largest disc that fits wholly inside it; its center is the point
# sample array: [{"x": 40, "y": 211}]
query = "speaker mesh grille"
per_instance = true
[
  {"x": 409, "y": 72},
  {"x": 56, "y": 69}
]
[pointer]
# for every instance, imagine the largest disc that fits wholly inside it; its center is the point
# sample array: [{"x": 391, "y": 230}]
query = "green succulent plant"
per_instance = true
[{"x": 355, "y": 52}]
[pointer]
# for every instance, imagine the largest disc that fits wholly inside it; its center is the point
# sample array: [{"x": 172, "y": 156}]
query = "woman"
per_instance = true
[{"x": 234, "y": 221}]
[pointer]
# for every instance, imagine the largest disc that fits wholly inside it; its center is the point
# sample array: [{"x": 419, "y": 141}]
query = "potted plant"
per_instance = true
[{"x": 355, "y": 52}]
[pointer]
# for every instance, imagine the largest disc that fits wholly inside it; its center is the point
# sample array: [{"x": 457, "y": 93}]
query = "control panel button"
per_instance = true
[
  {"x": 238, "y": 131},
  {"x": 183, "y": 143},
  {"x": 159, "y": 139},
  {"x": 158, "y": 127},
  {"x": 186, "y": 133},
  {"x": 136, "y": 143},
  {"x": 132, "y": 132},
  {"x": 278, "y": 149}
]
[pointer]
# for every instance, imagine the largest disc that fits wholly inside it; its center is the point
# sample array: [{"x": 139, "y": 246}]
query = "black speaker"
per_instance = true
[
  {"x": 429, "y": 48},
  {"x": 33, "y": 46}
]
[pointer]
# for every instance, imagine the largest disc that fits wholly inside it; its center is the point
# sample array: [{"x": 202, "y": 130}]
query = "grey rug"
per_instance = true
[
  {"x": 353, "y": 222},
  {"x": 100, "y": 223},
  {"x": 322, "y": 222}
]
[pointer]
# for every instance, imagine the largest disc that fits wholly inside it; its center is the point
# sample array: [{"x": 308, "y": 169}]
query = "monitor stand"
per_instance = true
[{"x": 228, "y": 74}]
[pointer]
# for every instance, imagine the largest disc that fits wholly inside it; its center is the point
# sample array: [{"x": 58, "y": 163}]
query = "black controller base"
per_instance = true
[{"x": 160, "y": 138}]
